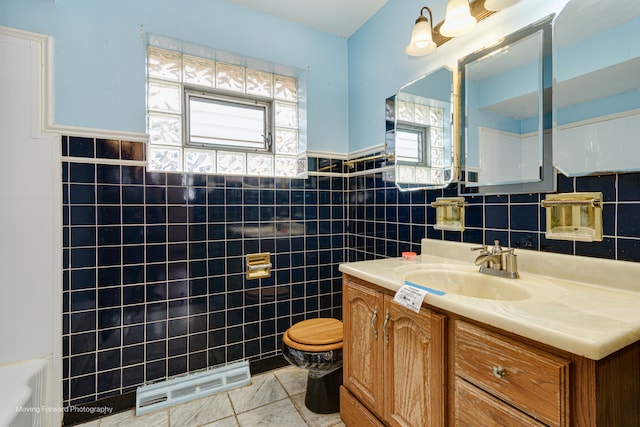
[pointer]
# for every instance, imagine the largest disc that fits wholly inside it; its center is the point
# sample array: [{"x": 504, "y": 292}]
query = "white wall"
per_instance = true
[
  {"x": 30, "y": 212},
  {"x": 507, "y": 158}
]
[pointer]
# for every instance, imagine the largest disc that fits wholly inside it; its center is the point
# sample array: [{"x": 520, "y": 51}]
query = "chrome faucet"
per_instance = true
[{"x": 497, "y": 261}]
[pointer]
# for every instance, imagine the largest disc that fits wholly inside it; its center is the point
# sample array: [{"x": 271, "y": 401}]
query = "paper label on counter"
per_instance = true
[{"x": 410, "y": 297}]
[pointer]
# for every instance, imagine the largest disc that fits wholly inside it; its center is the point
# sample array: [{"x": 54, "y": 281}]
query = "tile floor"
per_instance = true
[{"x": 274, "y": 398}]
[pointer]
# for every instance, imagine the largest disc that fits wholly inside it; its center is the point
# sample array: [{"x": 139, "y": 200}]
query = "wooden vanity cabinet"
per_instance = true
[
  {"x": 470, "y": 374},
  {"x": 394, "y": 361}
]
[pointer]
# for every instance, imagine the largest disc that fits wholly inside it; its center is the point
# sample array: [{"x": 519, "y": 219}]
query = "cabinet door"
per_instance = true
[
  {"x": 363, "y": 371},
  {"x": 415, "y": 378}
]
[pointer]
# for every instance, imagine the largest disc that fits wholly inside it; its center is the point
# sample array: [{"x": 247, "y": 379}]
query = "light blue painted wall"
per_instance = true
[
  {"x": 510, "y": 84},
  {"x": 437, "y": 85},
  {"x": 614, "y": 104},
  {"x": 100, "y": 56},
  {"x": 596, "y": 52},
  {"x": 578, "y": 60},
  {"x": 379, "y": 66}
]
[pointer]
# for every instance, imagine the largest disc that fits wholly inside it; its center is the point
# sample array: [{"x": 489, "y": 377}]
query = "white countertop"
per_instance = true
[{"x": 587, "y": 306}]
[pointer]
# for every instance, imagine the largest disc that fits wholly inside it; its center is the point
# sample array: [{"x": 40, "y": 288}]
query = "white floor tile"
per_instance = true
[
  {"x": 129, "y": 419},
  {"x": 201, "y": 411},
  {"x": 226, "y": 422},
  {"x": 278, "y": 414},
  {"x": 263, "y": 390},
  {"x": 293, "y": 379},
  {"x": 313, "y": 419},
  {"x": 263, "y": 403}
]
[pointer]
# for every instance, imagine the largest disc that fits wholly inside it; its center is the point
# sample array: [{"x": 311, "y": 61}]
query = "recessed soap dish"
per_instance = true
[
  {"x": 574, "y": 216},
  {"x": 449, "y": 213}
]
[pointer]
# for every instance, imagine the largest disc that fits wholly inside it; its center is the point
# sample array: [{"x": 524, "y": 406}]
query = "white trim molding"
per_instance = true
[
  {"x": 98, "y": 133},
  {"x": 375, "y": 149},
  {"x": 35, "y": 209}
]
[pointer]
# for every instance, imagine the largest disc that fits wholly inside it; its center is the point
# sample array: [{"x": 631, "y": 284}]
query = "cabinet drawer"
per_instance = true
[
  {"x": 475, "y": 407},
  {"x": 527, "y": 378}
]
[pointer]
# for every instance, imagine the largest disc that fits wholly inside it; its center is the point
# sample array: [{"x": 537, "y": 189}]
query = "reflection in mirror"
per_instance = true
[
  {"x": 596, "y": 99},
  {"x": 504, "y": 103},
  {"x": 419, "y": 132},
  {"x": 503, "y": 93}
]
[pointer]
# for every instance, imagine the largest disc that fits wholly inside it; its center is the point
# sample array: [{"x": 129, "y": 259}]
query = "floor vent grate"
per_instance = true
[{"x": 191, "y": 386}]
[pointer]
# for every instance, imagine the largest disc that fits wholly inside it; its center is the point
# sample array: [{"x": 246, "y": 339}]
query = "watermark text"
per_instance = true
[{"x": 102, "y": 410}]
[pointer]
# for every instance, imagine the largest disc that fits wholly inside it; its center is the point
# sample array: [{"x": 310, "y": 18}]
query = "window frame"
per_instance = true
[
  {"x": 252, "y": 102},
  {"x": 422, "y": 146}
]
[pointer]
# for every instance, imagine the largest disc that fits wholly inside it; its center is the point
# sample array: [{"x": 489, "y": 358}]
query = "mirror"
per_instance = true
[
  {"x": 418, "y": 132},
  {"x": 596, "y": 93},
  {"x": 505, "y": 105}
]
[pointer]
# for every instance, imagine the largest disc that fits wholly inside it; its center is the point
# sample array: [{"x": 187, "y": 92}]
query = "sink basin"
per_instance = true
[{"x": 468, "y": 284}]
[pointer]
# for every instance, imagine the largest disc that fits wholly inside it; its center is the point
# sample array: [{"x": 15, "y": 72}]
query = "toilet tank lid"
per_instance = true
[{"x": 320, "y": 331}]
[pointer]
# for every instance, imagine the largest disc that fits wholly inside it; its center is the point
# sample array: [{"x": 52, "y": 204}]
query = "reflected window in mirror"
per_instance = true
[
  {"x": 419, "y": 132},
  {"x": 596, "y": 99},
  {"x": 410, "y": 145},
  {"x": 505, "y": 104}
]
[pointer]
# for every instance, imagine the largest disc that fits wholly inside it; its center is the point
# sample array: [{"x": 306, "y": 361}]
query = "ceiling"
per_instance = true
[{"x": 339, "y": 17}]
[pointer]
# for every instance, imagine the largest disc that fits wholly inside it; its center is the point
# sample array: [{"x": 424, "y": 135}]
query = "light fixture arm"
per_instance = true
[{"x": 424, "y": 17}]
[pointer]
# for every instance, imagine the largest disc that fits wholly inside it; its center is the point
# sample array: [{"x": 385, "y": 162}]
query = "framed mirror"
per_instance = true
[
  {"x": 506, "y": 115},
  {"x": 419, "y": 132},
  {"x": 596, "y": 92}
]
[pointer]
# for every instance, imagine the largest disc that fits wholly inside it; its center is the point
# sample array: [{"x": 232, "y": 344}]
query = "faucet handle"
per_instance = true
[
  {"x": 511, "y": 264},
  {"x": 484, "y": 249},
  {"x": 498, "y": 249}
]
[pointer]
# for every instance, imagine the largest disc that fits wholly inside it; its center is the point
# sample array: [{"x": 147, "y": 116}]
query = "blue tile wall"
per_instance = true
[
  {"x": 154, "y": 262},
  {"x": 153, "y": 273},
  {"x": 383, "y": 221}
]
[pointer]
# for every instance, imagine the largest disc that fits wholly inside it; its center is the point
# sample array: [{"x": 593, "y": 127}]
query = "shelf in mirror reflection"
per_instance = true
[{"x": 596, "y": 107}]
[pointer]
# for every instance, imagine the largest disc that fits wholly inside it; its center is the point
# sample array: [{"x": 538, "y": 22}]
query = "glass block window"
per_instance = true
[
  {"x": 419, "y": 142},
  {"x": 213, "y": 117}
]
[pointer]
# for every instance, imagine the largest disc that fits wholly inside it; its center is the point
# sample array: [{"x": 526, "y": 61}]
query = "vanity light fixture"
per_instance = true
[
  {"x": 499, "y": 4},
  {"x": 458, "y": 19},
  {"x": 422, "y": 37}
]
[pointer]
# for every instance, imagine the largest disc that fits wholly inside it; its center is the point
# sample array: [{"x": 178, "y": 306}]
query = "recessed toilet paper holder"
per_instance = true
[{"x": 259, "y": 265}]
